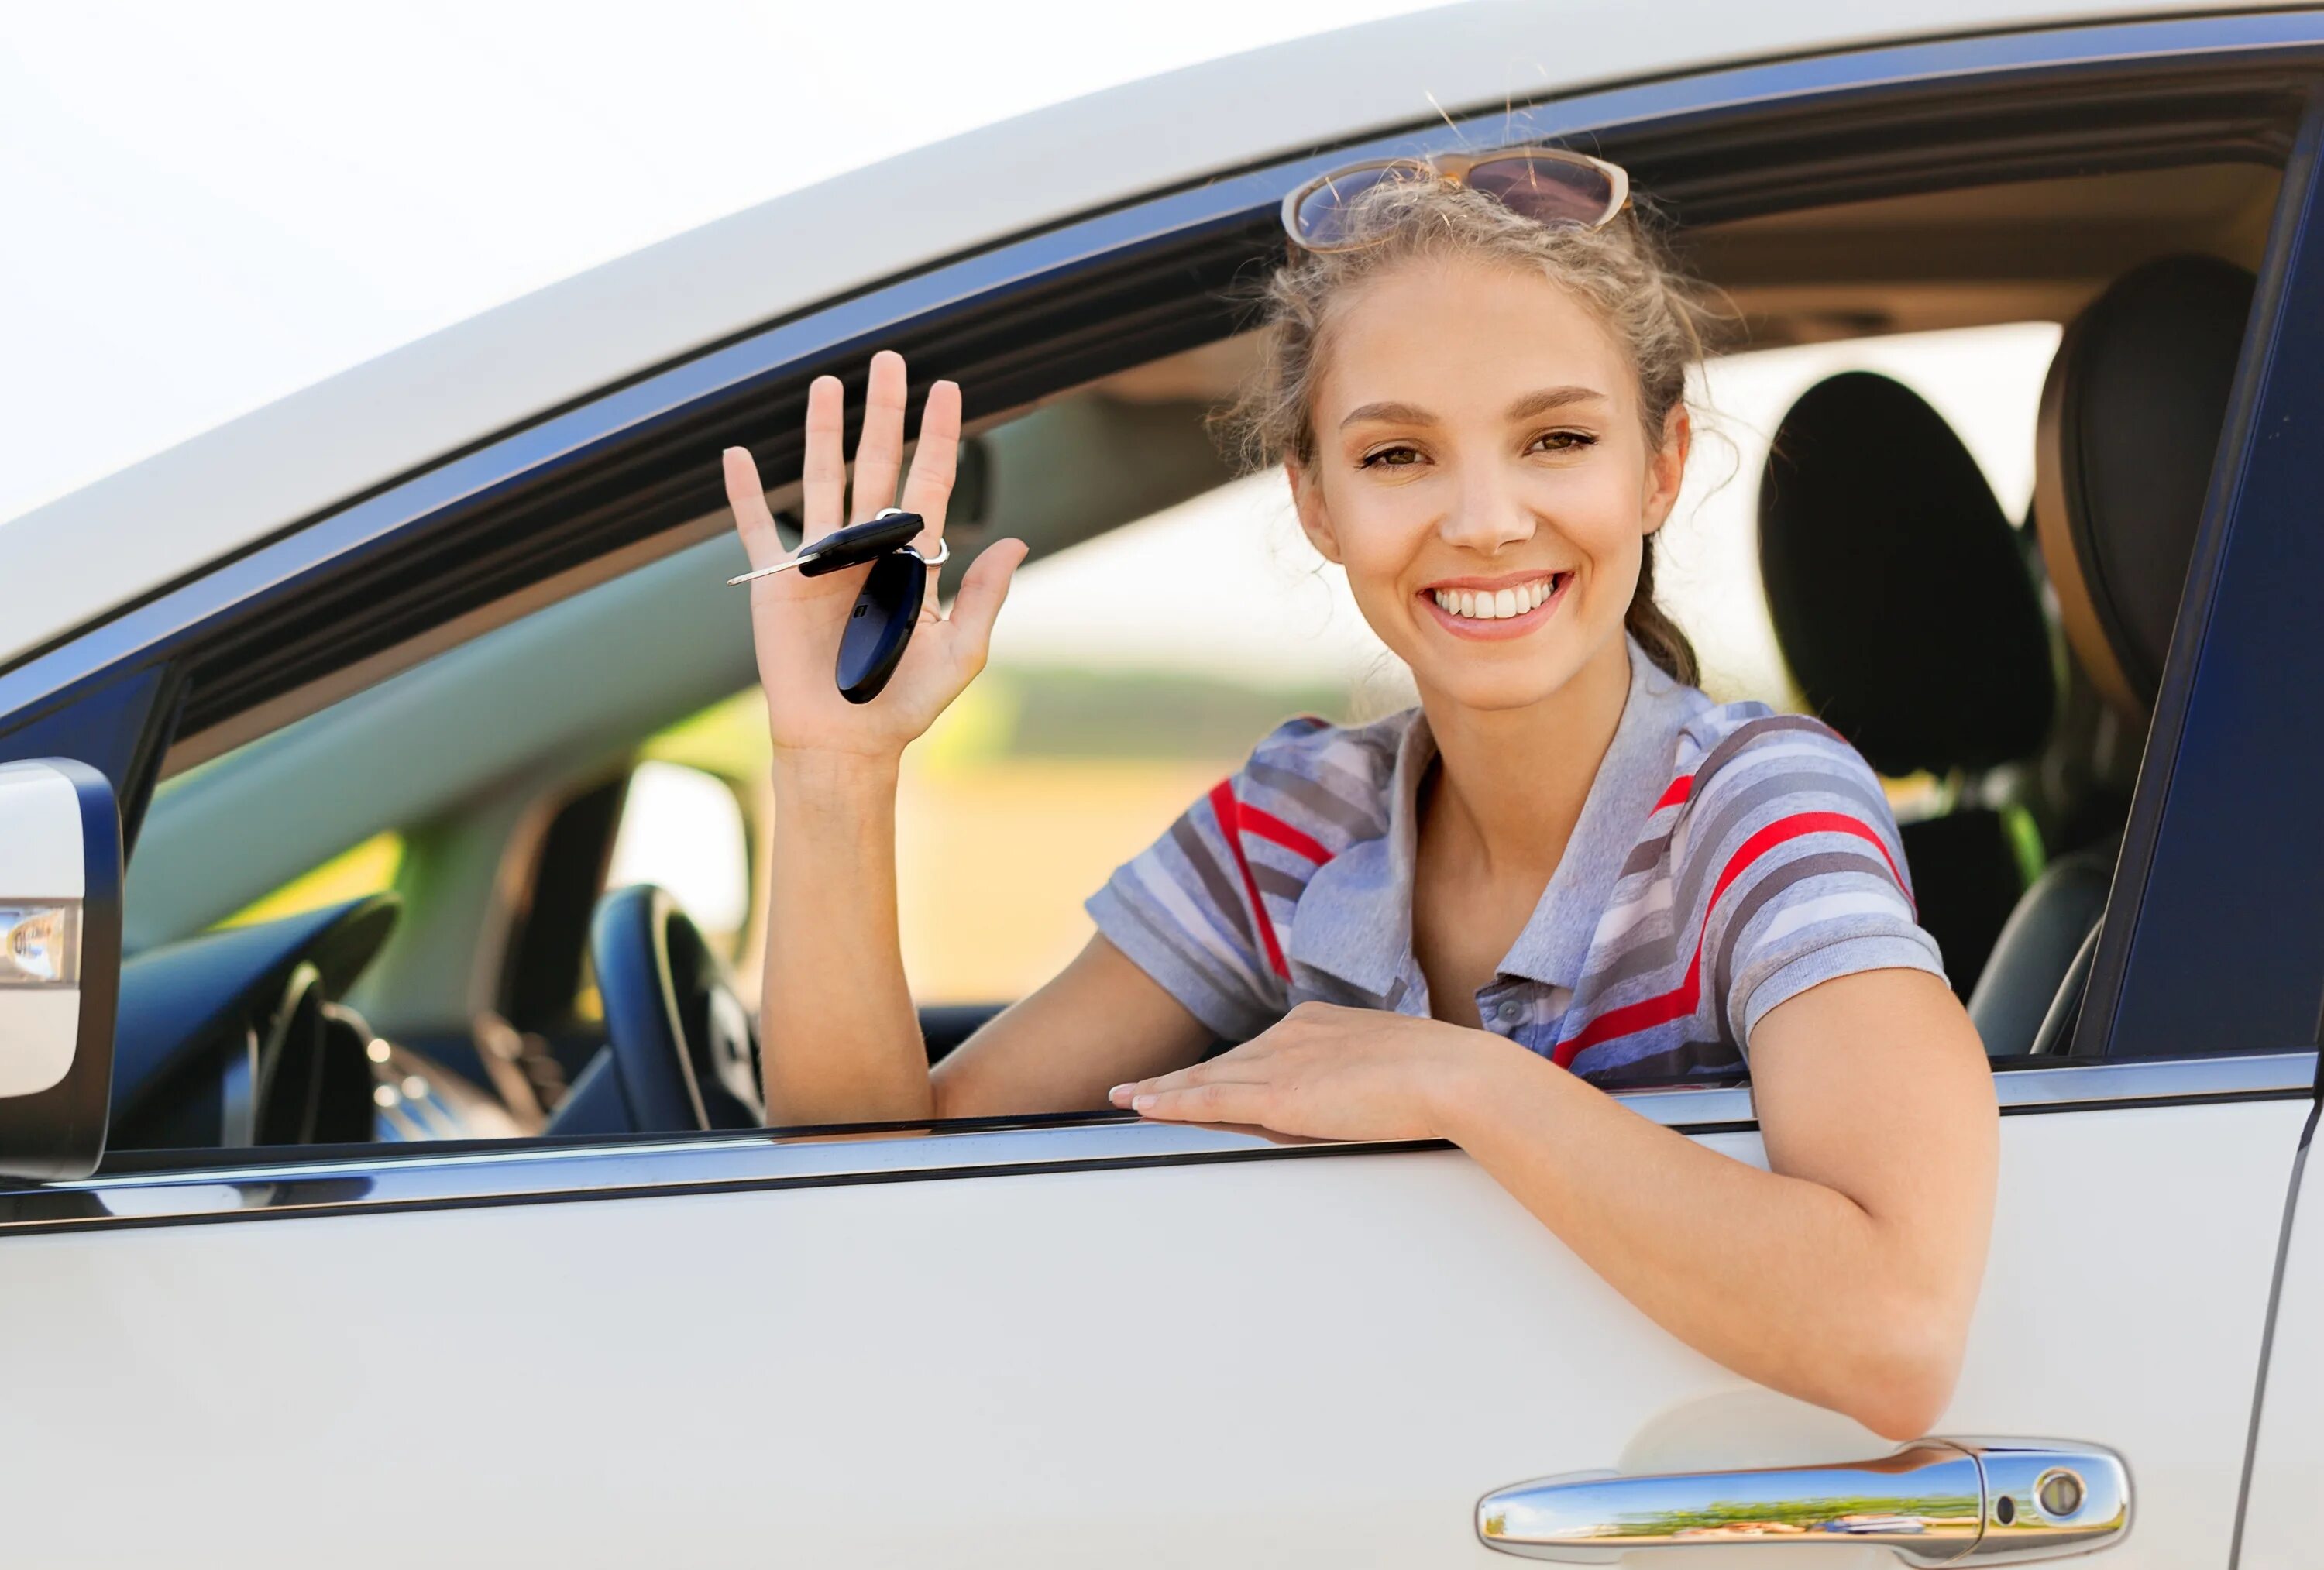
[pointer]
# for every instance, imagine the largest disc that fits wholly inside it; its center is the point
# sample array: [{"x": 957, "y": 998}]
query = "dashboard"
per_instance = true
[{"x": 241, "y": 1038}]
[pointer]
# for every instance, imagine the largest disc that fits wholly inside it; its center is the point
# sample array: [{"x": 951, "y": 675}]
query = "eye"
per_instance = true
[
  {"x": 1396, "y": 456},
  {"x": 1561, "y": 442}
]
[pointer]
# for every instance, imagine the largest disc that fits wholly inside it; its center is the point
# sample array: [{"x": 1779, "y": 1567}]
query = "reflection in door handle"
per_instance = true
[{"x": 1934, "y": 1502}]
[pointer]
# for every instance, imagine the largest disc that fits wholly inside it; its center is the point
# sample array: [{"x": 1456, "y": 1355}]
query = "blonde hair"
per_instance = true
[{"x": 1619, "y": 272}]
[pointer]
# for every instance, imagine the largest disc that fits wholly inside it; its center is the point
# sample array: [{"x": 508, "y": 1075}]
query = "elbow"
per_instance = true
[
  {"x": 1905, "y": 1407},
  {"x": 1902, "y": 1379}
]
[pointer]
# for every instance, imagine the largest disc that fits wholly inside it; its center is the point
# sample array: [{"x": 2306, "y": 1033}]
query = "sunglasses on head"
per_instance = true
[{"x": 1548, "y": 185}]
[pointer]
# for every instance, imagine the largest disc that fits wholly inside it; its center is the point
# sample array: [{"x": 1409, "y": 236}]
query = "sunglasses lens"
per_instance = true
[
  {"x": 1548, "y": 190},
  {"x": 1325, "y": 218}
]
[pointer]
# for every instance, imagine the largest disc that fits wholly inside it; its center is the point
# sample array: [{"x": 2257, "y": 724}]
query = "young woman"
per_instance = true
[{"x": 1565, "y": 866}]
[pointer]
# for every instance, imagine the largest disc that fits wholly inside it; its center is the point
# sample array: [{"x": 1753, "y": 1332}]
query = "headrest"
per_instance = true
[
  {"x": 1900, "y": 598},
  {"x": 2130, "y": 423}
]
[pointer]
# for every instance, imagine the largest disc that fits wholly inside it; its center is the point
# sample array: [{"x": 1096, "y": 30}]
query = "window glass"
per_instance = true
[
  {"x": 682, "y": 828},
  {"x": 367, "y": 868}
]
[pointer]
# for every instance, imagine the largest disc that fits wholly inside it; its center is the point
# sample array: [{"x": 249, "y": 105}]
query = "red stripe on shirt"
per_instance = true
[
  {"x": 1268, "y": 826},
  {"x": 1229, "y": 813},
  {"x": 1679, "y": 789},
  {"x": 1682, "y": 1000}
]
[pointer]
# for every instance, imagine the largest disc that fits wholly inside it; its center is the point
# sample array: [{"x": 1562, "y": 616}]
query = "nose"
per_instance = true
[{"x": 1487, "y": 515}]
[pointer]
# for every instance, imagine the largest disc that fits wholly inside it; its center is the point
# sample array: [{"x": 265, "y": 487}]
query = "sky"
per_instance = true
[{"x": 210, "y": 206}]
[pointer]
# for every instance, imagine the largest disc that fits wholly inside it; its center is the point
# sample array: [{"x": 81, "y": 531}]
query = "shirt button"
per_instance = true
[{"x": 1508, "y": 1011}]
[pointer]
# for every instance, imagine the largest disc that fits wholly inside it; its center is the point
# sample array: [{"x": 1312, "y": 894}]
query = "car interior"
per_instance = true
[{"x": 492, "y": 981}]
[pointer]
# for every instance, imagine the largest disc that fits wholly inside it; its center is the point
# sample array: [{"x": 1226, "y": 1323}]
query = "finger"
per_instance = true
[
  {"x": 936, "y": 463},
  {"x": 823, "y": 475},
  {"x": 1178, "y": 1080},
  {"x": 1227, "y": 1069},
  {"x": 982, "y": 590},
  {"x": 880, "y": 450},
  {"x": 1213, "y": 1103},
  {"x": 748, "y": 499}
]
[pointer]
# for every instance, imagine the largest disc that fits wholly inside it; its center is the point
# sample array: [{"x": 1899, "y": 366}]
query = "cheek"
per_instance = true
[{"x": 1381, "y": 530}]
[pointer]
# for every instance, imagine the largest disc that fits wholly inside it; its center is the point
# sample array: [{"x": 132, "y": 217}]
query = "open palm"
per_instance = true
[{"x": 797, "y": 621}]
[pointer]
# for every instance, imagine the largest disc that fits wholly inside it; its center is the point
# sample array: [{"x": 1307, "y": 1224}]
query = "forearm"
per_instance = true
[
  {"x": 841, "y": 1041},
  {"x": 1787, "y": 1281}
]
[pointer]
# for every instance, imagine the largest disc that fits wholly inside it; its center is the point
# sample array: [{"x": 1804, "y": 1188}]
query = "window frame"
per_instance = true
[
  {"x": 169, "y": 1189},
  {"x": 161, "y": 649}
]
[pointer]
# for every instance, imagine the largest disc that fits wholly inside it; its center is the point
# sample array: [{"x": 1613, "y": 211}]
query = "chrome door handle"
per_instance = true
[{"x": 1934, "y": 1502}]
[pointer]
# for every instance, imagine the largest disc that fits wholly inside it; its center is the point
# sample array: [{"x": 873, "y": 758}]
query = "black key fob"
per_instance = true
[
  {"x": 881, "y": 623},
  {"x": 859, "y": 543}
]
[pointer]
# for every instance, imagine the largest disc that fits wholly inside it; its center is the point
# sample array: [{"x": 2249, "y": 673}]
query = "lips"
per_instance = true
[
  {"x": 1496, "y": 604},
  {"x": 1496, "y": 608}
]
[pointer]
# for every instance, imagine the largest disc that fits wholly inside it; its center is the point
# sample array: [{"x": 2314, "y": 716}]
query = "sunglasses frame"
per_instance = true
[{"x": 1453, "y": 168}]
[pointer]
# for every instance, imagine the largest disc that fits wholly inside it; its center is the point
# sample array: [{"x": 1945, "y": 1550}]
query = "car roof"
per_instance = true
[{"x": 72, "y": 560}]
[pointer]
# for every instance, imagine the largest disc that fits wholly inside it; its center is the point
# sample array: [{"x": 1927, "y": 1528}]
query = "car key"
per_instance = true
[
  {"x": 852, "y": 546},
  {"x": 887, "y": 609},
  {"x": 880, "y": 624}
]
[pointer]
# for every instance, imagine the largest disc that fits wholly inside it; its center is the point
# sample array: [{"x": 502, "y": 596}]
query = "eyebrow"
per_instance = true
[
  {"x": 1549, "y": 397},
  {"x": 1405, "y": 414},
  {"x": 1526, "y": 408}
]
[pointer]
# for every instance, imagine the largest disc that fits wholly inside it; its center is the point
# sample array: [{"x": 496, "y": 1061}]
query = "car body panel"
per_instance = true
[
  {"x": 1323, "y": 1358},
  {"x": 233, "y": 487},
  {"x": 2283, "y": 1508}
]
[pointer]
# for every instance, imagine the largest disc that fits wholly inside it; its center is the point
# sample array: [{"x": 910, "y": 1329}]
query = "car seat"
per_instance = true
[
  {"x": 1903, "y": 605},
  {"x": 2130, "y": 425}
]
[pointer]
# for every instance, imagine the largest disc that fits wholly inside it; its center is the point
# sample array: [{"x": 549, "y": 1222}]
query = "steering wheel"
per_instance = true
[{"x": 685, "y": 1050}]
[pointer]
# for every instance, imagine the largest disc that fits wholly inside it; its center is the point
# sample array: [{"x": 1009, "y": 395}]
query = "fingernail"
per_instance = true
[
  {"x": 1118, "y": 1092},
  {"x": 1140, "y": 1103}
]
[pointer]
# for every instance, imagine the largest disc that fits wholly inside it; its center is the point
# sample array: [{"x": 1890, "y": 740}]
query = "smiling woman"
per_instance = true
[{"x": 1566, "y": 867}]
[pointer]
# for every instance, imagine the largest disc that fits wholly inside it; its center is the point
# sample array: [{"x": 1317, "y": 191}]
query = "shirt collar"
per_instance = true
[
  {"x": 1354, "y": 919},
  {"x": 1631, "y": 777}
]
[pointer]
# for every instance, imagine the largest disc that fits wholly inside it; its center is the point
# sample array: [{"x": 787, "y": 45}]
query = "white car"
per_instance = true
[{"x": 436, "y": 1223}]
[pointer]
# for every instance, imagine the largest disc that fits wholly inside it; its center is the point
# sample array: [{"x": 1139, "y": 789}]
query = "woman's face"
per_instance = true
[{"x": 1483, "y": 473}]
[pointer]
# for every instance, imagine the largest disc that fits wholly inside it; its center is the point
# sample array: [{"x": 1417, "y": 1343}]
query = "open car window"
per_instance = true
[{"x": 1170, "y": 617}]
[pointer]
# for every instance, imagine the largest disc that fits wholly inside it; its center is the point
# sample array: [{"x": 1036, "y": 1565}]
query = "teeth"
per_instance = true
[{"x": 1493, "y": 605}]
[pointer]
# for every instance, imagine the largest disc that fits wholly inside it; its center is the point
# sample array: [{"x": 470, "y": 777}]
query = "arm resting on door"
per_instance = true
[{"x": 1845, "y": 1275}]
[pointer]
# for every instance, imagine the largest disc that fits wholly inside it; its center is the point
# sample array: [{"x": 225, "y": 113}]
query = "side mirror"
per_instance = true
[{"x": 59, "y": 965}]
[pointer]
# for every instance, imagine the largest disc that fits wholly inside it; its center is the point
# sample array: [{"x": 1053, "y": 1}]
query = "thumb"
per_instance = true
[{"x": 982, "y": 588}]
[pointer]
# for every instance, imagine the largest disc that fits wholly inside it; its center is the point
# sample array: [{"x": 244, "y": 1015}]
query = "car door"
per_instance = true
[
  {"x": 1043, "y": 1345},
  {"x": 1067, "y": 1341}
]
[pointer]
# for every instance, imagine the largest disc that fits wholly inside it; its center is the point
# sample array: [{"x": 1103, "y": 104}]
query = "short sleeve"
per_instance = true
[
  {"x": 1186, "y": 911},
  {"x": 1791, "y": 837}
]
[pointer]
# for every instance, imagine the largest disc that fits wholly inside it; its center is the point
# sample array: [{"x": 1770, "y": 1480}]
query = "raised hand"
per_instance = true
[{"x": 795, "y": 621}]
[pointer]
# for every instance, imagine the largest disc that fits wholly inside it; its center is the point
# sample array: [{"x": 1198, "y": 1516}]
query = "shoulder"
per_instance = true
[
  {"x": 1332, "y": 782},
  {"x": 1764, "y": 785},
  {"x": 1727, "y": 748}
]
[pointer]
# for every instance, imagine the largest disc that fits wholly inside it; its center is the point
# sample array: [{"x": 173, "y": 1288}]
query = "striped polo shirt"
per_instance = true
[{"x": 1728, "y": 858}]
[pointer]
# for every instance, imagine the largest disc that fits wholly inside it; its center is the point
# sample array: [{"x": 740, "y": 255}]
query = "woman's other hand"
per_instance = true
[
  {"x": 797, "y": 621},
  {"x": 1327, "y": 1072}
]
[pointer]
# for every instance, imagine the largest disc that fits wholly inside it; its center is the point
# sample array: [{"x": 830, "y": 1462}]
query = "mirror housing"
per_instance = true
[{"x": 59, "y": 965}]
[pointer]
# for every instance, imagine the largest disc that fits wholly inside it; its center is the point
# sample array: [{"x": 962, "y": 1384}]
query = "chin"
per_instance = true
[{"x": 1494, "y": 690}]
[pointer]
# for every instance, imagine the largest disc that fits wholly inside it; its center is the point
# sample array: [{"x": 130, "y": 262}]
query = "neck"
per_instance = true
[{"x": 1513, "y": 781}]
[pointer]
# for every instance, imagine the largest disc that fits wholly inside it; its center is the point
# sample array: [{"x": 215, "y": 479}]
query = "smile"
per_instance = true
[
  {"x": 1497, "y": 610},
  {"x": 1496, "y": 604}
]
